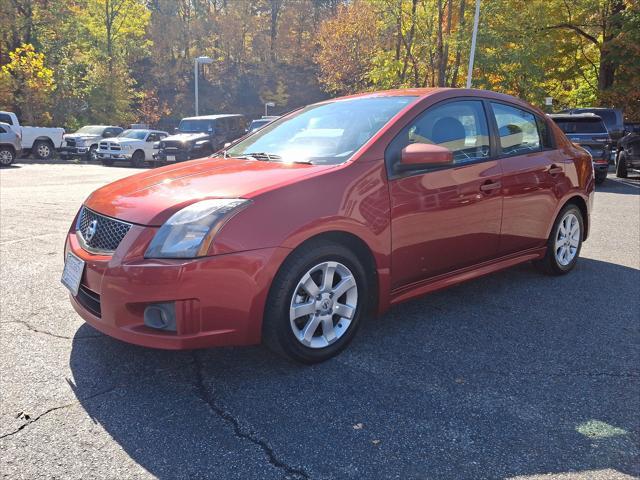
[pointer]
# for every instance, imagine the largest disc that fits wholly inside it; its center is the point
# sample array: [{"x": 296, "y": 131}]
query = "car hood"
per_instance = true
[
  {"x": 151, "y": 197},
  {"x": 80, "y": 136},
  {"x": 124, "y": 140},
  {"x": 186, "y": 137}
]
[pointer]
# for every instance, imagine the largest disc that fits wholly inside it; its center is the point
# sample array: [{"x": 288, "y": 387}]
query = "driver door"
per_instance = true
[{"x": 448, "y": 217}]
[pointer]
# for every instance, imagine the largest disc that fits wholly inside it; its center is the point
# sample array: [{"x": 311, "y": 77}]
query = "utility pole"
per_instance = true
[
  {"x": 204, "y": 61},
  {"x": 473, "y": 43}
]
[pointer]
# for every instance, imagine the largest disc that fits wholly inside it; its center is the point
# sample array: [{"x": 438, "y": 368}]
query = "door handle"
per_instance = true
[
  {"x": 490, "y": 186},
  {"x": 555, "y": 170}
]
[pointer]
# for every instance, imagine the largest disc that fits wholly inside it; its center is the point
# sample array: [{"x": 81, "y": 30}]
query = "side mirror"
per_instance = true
[{"x": 416, "y": 154}]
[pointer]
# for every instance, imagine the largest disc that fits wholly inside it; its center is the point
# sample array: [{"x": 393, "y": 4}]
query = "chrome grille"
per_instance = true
[{"x": 100, "y": 234}]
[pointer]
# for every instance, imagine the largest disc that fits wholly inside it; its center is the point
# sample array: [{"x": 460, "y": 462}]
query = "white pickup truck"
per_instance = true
[
  {"x": 135, "y": 146},
  {"x": 41, "y": 141}
]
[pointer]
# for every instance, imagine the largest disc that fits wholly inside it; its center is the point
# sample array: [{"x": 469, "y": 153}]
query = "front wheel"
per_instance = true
[
  {"x": 564, "y": 243},
  {"x": 137, "y": 159},
  {"x": 621, "y": 165},
  {"x": 92, "y": 154},
  {"x": 316, "y": 303}
]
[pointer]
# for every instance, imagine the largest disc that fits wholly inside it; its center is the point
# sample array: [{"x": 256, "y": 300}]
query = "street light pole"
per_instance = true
[
  {"x": 473, "y": 43},
  {"x": 199, "y": 60}
]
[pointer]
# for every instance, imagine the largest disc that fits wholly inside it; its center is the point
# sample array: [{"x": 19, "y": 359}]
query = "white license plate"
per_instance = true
[
  {"x": 171, "y": 158},
  {"x": 72, "y": 273}
]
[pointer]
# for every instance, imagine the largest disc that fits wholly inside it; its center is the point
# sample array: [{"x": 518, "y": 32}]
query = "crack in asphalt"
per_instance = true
[
  {"x": 53, "y": 409},
  {"x": 44, "y": 332},
  {"x": 215, "y": 407},
  {"x": 564, "y": 374}
]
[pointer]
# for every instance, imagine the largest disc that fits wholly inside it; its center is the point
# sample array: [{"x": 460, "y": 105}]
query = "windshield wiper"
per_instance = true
[{"x": 262, "y": 156}]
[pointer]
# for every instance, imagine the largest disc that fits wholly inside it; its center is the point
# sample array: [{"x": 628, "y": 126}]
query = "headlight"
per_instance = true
[
  {"x": 79, "y": 142},
  {"x": 190, "y": 231},
  {"x": 126, "y": 147}
]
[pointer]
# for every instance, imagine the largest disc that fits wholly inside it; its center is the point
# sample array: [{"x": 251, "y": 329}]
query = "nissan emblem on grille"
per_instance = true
[
  {"x": 91, "y": 230},
  {"x": 100, "y": 234}
]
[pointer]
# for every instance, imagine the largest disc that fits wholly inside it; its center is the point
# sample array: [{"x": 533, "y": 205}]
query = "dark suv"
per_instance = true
[
  {"x": 628, "y": 154},
  {"x": 198, "y": 137},
  {"x": 589, "y": 131},
  {"x": 612, "y": 118}
]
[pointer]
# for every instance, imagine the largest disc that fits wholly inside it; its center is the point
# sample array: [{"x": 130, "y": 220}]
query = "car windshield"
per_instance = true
[
  {"x": 328, "y": 133},
  {"x": 136, "y": 134},
  {"x": 91, "y": 130},
  {"x": 195, "y": 126},
  {"x": 255, "y": 124},
  {"x": 581, "y": 126}
]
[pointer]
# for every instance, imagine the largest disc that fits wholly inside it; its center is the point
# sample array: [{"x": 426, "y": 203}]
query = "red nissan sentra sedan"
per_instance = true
[{"x": 295, "y": 233}]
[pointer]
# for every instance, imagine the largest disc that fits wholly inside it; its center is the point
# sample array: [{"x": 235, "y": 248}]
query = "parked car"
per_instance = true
[
  {"x": 631, "y": 127},
  {"x": 613, "y": 119},
  {"x": 84, "y": 142},
  {"x": 258, "y": 123},
  {"x": 197, "y": 137},
  {"x": 589, "y": 131},
  {"x": 40, "y": 141},
  {"x": 628, "y": 155},
  {"x": 295, "y": 233},
  {"x": 10, "y": 146},
  {"x": 135, "y": 146}
]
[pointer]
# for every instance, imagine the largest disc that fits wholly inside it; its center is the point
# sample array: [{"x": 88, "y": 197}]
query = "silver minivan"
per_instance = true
[{"x": 10, "y": 146}]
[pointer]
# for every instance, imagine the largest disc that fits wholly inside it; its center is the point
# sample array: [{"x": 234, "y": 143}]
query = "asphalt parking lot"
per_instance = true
[{"x": 512, "y": 375}]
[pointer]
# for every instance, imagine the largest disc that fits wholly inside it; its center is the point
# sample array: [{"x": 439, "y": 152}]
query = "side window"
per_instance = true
[
  {"x": 518, "y": 130},
  {"x": 459, "y": 126},
  {"x": 4, "y": 118},
  {"x": 2, "y": 130},
  {"x": 153, "y": 137}
]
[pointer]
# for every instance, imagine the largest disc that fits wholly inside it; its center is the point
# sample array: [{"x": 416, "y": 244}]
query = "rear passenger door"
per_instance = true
[{"x": 532, "y": 173}]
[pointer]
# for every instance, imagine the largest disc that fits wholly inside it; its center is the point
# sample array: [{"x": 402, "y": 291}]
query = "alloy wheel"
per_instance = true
[
  {"x": 323, "y": 304},
  {"x": 567, "y": 239},
  {"x": 44, "y": 150}
]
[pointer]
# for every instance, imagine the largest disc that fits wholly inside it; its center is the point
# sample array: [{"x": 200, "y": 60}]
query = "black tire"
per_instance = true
[
  {"x": 107, "y": 162},
  {"x": 92, "y": 154},
  {"x": 277, "y": 332},
  {"x": 600, "y": 177},
  {"x": 621, "y": 165},
  {"x": 42, "y": 149},
  {"x": 550, "y": 264},
  {"x": 7, "y": 156},
  {"x": 137, "y": 159}
]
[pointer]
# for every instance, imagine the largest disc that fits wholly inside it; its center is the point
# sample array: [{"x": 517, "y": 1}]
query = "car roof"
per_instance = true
[
  {"x": 213, "y": 117},
  {"x": 575, "y": 116},
  {"x": 101, "y": 126}
]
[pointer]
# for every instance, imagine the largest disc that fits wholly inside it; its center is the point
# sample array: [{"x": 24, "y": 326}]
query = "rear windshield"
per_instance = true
[
  {"x": 581, "y": 126},
  {"x": 608, "y": 116}
]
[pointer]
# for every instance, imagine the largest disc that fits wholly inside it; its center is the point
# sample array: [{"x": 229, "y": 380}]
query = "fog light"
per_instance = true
[{"x": 161, "y": 316}]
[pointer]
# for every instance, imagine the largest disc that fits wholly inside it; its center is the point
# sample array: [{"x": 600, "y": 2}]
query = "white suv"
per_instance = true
[{"x": 135, "y": 146}]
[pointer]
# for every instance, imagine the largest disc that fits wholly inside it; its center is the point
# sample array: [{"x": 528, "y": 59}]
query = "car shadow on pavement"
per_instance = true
[
  {"x": 626, "y": 186},
  {"x": 513, "y": 374}
]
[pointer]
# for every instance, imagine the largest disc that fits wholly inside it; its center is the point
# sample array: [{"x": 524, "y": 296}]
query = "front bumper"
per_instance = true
[
  {"x": 176, "y": 155},
  {"x": 73, "y": 151},
  {"x": 219, "y": 300},
  {"x": 102, "y": 155}
]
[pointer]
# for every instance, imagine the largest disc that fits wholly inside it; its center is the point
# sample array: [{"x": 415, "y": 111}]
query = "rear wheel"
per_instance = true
[
  {"x": 600, "y": 177},
  {"x": 316, "y": 303},
  {"x": 621, "y": 165},
  {"x": 564, "y": 243},
  {"x": 137, "y": 159},
  {"x": 7, "y": 156},
  {"x": 42, "y": 149}
]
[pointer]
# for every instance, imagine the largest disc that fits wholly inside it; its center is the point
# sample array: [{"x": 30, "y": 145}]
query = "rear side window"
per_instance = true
[
  {"x": 4, "y": 118},
  {"x": 518, "y": 130},
  {"x": 459, "y": 126},
  {"x": 2, "y": 130}
]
